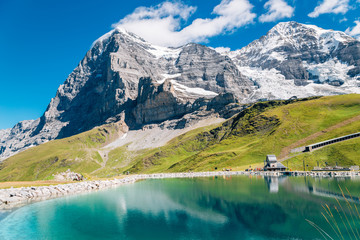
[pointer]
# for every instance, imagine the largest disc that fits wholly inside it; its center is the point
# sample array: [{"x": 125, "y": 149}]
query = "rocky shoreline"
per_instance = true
[{"x": 17, "y": 197}]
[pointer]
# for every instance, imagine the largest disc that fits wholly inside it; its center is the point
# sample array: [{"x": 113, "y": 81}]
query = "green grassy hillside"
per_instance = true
[
  {"x": 78, "y": 153},
  {"x": 272, "y": 127},
  {"x": 345, "y": 153},
  {"x": 264, "y": 128}
]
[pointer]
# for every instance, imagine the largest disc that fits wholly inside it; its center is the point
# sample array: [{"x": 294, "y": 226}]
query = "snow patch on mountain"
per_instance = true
[
  {"x": 329, "y": 39},
  {"x": 106, "y": 36},
  {"x": 331, "y": 71},
  {"x": 169, "y": 76},
  {"x": 273, "y": 85},
  {"x": 4, "y": 133},
  {"x": 193, "y": 91},
  {"x": 277, "y": 56},
  {"x": 222, "y": 50},
  {"x": 157, "y": 51},
  {"x": 164, "y": 52}
]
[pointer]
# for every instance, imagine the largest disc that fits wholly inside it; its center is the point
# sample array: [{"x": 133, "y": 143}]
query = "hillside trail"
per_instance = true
[
  {"x": 148, "y": 138},
  {"x": 284, "y": 154}
]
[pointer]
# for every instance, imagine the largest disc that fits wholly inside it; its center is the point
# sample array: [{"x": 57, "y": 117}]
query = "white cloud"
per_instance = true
[
  {"x": 354, "y": 31},
  {"x": 330, "y": 6},
  {"x": 344, "y": 19},
  {"x": 277, "y": 9},
  {"x": 162, "y": 24}
]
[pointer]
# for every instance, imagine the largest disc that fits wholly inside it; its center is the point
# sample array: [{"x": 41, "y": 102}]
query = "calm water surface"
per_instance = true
[{"x": 200, "y": 208}]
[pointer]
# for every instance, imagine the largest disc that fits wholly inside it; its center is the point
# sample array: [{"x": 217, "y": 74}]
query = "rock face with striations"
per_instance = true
[
  {"x": 205, "y": 68},
  {"x": 158, "y": 102},
  {"x": 124, "y": 78}
]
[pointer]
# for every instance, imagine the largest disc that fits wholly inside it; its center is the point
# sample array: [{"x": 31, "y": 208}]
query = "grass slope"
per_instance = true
[
  {"x": 343, "y": 153},
  {"x": 78, "y": 153},
  {"x": 263, "y": 128}
]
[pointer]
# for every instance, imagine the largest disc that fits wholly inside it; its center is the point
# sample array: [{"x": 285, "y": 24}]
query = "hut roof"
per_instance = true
[{"x": 271, "y": 158}]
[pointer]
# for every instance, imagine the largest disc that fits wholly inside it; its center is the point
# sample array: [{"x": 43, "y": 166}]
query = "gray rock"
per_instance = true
[
  {"x": 158, "y": 102},
  {"x": 205, "y": 68},
  {"x": 68, "y": 175}
]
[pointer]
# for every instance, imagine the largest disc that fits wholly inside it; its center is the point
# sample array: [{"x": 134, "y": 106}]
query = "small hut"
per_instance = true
[{"x": 271, "y": 164}]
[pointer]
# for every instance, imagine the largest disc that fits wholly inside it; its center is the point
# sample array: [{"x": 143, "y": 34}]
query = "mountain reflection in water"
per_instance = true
[{"x": 240, "y": 207}]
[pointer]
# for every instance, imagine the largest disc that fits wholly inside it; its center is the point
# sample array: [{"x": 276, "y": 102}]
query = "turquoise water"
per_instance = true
[{"x": 199, "y": 208}]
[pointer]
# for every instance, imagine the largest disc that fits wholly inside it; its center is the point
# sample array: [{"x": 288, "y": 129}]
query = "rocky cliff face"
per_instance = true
[
  {"x": 158, "y": 102},
  {"x": 124, "y": 78},
  {"x": 19, "y": 137},
  {"x": 205, "y": 68}
]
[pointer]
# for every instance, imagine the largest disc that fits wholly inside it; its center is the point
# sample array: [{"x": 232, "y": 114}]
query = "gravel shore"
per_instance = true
[{"x": 16, "y": 197}]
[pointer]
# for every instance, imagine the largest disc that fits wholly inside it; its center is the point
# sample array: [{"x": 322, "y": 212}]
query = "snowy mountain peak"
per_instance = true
[
  {"x": 292, "y": 40},
  {"x": 118, "y": 31},
  {"x": 291, "y": 28},
  {"x": 286, "y": 28},
  {"x": 293, "y": 58},
  {"x": 122, "y": 36},
  {"x": 328, "y": 38}
]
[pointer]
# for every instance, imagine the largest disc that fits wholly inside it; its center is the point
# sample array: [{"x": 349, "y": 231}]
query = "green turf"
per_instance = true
[
  {"x": 346, "y": 154},
  {"x": 78, "y": 153}
]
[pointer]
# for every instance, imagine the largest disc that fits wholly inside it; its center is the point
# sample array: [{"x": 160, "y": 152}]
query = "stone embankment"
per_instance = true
[{"x": 16, "y": 197}]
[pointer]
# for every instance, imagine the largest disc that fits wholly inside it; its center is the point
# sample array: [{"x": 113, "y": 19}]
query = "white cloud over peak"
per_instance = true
[
  {"x": 354, "y": 31},
  {"x": 277, "y": 9},
  {"x": 162, "y": 24},
  {"x": 330, "y": 6}
]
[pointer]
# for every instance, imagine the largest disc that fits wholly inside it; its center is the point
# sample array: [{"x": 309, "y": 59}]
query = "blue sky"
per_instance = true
[{"x": 42, "y": 41}]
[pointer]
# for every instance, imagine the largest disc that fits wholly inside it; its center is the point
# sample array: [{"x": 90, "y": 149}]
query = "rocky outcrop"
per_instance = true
[
  {"x": 19, "y": 138},
  {"x": 158, "y": 102},
  {"x": 68, "y": 175},
  {"x": 226, "y": 105}
]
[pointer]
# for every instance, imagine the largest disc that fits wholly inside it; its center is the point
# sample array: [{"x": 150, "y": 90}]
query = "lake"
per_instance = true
[{"x": 237, "y": 207}]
